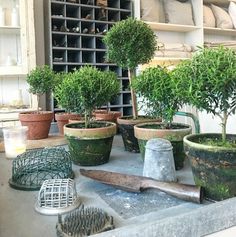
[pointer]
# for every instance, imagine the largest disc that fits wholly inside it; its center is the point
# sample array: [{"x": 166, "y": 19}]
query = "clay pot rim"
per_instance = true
[
  {"x": 149, "y": 133},
  {"x": 91, "y": 133},
  {"x": 128, "y": 120},
  {"x": 35, "y": 112},
  {"x": 196, "y": 145}
]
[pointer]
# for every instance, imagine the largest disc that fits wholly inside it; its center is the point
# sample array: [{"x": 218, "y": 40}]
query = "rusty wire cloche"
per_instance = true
[{"x": 31, "y": 168}]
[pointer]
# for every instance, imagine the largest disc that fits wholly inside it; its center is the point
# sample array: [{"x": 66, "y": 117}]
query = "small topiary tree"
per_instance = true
[
  {"x": 130, "y": 42},
  {"x": 41, "y": 80},
  {"x": 85, "y": 89},
  {"x": 65, "y": 94},
  {"x": 210, "y": 80},
  {"x": 157, "y": 90}
]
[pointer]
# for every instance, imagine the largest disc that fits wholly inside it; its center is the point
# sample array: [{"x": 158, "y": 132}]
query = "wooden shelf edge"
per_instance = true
[
  {"x": 171, "y": 27},
  {"x": 219, "y": 31}
]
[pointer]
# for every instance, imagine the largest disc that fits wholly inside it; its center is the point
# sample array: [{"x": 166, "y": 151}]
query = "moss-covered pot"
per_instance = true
[
  {"x": 126, "y": 127},
  {"x": 91, "y": 146},
  {"x": 146, "y": 131},
  {"x": 214, "y": 168}
]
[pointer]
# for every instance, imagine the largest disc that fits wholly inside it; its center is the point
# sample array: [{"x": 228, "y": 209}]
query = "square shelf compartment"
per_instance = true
[
  {"x": 113, "y": 4},
  {"x": 89, "y": 2},
  {"x": 71, "y": 68},
  {"x": 87, "y": 13},
  {"x": 73, "y": 56},
  {"x": 60, "y": 68},
  {"x": 72, "y": 11},
  {"x": 100, "y": 44},
  {"x": 124, "y": 73},
  {"x": 58, "y": 25},
  {"x": 59, "y": 40},
  {"x": 127, "y": 111},
  {"x": 125, "y": 4},
  {"x": 100, "y": 57},
  {"x": 88, "y": 42},
  {"x": 117, "y": 100},
  {"x": 58, "y": 10},
  {"x": 102, "y": 68},
  {"x": 113, "y": 15},
  {"x": 87, "y": 27},
  {"x": 125, "y": 85},
  {"x": 88, "y": 57},
  {"x": 101, "y": 14},
  {"x": 73, "y": 41},
  {"x": 59, "y": 56},
  {"x": 127, "y": 99},
  {"x": 73, "y": 26},
  {"x": 124, "y": 15},
  {"x": 115, "y": 69},
  {"x": 101, "y": 28}
]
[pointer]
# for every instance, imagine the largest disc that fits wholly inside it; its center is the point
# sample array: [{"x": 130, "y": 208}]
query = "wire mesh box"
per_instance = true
[
  {"x": 57, "y": 196},
  {"x": 31, "y": 168}
]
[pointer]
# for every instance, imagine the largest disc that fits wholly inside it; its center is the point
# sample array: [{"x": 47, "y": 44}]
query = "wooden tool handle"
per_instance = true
[{"x": 183, "y": 191}]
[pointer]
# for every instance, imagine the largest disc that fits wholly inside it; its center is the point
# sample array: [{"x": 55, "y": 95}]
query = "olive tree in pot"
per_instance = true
[
  {"x": 210, "y": 79},
  {"x": 157, "y": 88},
  {"x": 130, "y": 42},
  {"x": 66, "y": 100},
  {"x": 41, "y": 80},
  {"x": 90, "y": 141}
]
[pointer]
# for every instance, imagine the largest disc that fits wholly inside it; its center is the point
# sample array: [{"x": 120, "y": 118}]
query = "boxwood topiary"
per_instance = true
[
  {"x": 209, "y": 80},
  {"x": 130, "y": 42},
  {"x": 85, "y": 89}
]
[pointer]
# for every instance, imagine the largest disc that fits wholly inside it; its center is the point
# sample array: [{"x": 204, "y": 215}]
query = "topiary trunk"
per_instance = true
[{"x": 131, "y": 74}]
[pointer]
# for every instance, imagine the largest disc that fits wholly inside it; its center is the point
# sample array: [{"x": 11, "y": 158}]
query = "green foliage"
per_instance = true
[
  {"x": 41, "y": 80},
  {"x": 85, "y": 89},
  {"x": 130, "y": 42},
  {"x": 66, "y": 94},
  {"x": 157, "y": 89},
  {"x": 210, "y": 79}
]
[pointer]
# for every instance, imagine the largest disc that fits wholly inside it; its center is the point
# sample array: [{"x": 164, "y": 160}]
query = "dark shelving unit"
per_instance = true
[{"x": 74, "y": 30}]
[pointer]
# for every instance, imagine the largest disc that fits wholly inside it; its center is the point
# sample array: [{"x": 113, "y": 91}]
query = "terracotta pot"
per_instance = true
[
  {"x": 146, "y": 131},
  {"x": 91, "y": 146},
  {"x": 214, "y": 168},
  {"x": 63, "y": 118},
  {"x": 126, "y": 128},
  {"x": 117, "y": 114},
  {"x": 104, "y": 115},
  {"x": 38, "y": 124}
]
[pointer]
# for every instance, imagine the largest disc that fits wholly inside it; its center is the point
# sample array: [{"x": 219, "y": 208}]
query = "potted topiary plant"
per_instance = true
[
  {"x": 90, "y": 141},
  {"x": 41, "y": 80},
  {"x": 157, "y": 88},
  {"x": 210, "y": 80},
  {"x": 130, "y": 42},
  {"x": 66, "y": 100}
]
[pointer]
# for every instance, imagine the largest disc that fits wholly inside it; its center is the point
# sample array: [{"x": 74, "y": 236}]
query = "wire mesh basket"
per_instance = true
[
  {"x": 31, "y": 168},
  {"x": 83, "y": 222},
  {"x": 57, "y": 196}
]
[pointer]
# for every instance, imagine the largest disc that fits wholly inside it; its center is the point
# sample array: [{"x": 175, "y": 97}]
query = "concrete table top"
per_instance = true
[{"x": 150, "y": 213}]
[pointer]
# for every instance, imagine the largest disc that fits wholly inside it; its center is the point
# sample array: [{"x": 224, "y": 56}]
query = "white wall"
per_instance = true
[{"x": 211, "y": 124}]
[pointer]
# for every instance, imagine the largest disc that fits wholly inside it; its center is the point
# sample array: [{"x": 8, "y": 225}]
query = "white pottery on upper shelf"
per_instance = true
[
  {"x": 14, "y": 17},
  {"x": 2, "y": 17}
]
